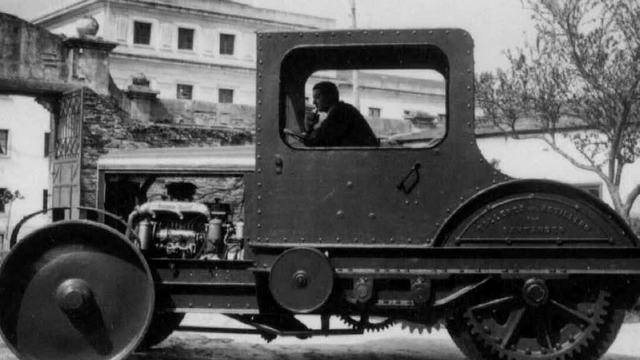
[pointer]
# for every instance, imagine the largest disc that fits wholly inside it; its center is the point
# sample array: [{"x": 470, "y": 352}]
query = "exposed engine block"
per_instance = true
[{"x": 184, "y": 229}]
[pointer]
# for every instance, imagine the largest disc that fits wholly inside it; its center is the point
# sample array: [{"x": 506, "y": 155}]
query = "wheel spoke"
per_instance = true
[
  {"x": 544, "y": 335},
  {"x": 572, "y": 312},
  {"x": 513, "y": 324},
  {"x": 492, "y": 304}
]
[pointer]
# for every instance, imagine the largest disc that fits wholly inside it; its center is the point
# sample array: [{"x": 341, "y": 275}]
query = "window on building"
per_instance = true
[
  {"x": 47, "y": 136},
  {"x": 227, "y": 42},
  {"x": 594, "y": 189},
  {"x": 225, "y": 96},
  {"x": 374, "y": 112},
  {"x": 4, "y": 142},
  {"x": 185, "y": 91},
  {"x": 185, "y": 38},
  {"x": 141, "y": 32}
]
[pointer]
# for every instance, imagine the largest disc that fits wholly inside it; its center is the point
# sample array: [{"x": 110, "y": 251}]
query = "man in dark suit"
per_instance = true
[{"x": 343, "y": 125}]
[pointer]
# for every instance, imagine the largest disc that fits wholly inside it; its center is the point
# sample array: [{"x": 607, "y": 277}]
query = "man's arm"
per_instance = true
[{"x": 330, "y": 132}]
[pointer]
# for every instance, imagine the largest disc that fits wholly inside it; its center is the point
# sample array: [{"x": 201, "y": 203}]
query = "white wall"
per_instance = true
[
  {"x": 533, "y": 158},
  {"x": 25, "y": 168}
]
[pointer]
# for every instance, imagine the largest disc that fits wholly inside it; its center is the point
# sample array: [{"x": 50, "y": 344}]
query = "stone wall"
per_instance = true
[{"x": 107, "y": 127}]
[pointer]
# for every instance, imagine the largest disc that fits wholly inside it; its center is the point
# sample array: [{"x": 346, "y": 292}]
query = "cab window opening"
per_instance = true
[{"x": 399, "y": 100}]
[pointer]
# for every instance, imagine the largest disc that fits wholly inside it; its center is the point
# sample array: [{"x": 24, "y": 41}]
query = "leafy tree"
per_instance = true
[
  {"x": 7, "y": 198},
  {"x": 582, "y": 73}
]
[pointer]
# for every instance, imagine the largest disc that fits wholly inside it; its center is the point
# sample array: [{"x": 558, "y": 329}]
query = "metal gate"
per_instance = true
[{"x": 65, "y": 165}]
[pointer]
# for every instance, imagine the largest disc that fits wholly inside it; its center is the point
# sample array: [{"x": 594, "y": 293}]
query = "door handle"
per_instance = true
[{"x": 410, "y": 180}]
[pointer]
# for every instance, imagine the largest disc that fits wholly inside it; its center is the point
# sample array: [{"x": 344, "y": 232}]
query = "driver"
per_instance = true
[{"x": 343, "y": 124}]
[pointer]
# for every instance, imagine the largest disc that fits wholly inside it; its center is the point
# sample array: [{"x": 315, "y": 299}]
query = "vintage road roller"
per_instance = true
[{"x": 420, "y": 229}]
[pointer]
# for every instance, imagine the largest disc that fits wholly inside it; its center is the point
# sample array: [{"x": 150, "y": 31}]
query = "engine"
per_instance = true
[{"x": 187, "y": 230}]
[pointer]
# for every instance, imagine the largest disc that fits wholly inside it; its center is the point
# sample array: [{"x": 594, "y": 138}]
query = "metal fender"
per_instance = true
[{"x": 535, "y": 213}]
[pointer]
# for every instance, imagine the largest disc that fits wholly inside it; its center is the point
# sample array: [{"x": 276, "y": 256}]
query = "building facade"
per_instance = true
[{"x": 24, "y": 162}]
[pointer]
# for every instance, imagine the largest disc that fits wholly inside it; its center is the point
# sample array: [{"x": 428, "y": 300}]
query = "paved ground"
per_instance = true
[{"x": 395, "y": 343}]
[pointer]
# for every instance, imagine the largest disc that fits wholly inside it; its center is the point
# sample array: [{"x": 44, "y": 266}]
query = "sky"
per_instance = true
[{"x": 495, "y": 25}]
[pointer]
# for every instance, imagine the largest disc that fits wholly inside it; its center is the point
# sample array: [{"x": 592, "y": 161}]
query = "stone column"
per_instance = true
[
  {"x": 88, "y": 57},
  {"x": 141, "y": 98}
]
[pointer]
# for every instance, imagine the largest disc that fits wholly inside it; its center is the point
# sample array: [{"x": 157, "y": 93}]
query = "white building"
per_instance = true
[
  {"x": 24, "y": 165},
  {"x": 188, "y": 49}
]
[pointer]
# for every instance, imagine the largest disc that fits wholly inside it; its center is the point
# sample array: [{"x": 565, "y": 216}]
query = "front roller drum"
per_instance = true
[{"x": 75, "y": 290}]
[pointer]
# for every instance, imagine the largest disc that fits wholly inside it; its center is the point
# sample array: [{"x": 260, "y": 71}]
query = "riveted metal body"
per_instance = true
[{"x": 351, "y": 195}]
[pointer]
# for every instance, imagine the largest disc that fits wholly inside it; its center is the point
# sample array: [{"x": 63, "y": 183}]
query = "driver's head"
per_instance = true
[{"x": 325, "y": 95}]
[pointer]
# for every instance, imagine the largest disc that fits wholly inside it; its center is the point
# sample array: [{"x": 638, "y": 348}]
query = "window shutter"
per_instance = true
[{"x": 122, "y": 26}]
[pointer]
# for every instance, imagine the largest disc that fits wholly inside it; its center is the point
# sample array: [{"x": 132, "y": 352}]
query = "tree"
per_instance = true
[
  {"x": 7, "y": 198},
  {"x": 582, "y": 72}
]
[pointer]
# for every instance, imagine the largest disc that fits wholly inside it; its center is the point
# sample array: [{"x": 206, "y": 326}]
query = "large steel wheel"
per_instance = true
[
  {"x": 75, "y": 290},
  {"x": 538, "y": 319}
]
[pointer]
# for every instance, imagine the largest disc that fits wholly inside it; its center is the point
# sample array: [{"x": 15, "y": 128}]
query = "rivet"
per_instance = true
[
  {"x": 407, "y": 202},
  {"x": 340, "y": 214},
  {"x": 259, "y": 170},
  {"x": 259, "y": 101},
  {"x": 259, "y": 156},
  {"x": 269, "y": 36},
  {"x": 447, "y": 32},
  {"x": 414, "y": 32},
  {"x": 190, "y": 304},
  {"x": 317, "y": 34},
  {"x": 468, "y": 106},
  {"x": 259, "y": 48},
  {"x": 260, "y": 61},
  {"x": 300, "y": 34},
  {"x": 259, "y": 197},
  {"x": 416, "y": 202},
  {"x": 372, "y": 215},
  {"x": 284, "y": 238},
  {"x": 259, "y": 143},
  {"x": 397, "y": 32},
  {"x": 468, "y": 87},
  {"x": 260, "y": 89},
  {"x": 259, "y": 35},
  {"x": 365, "y": 32},
  {"x": 209, "y": 305},
  {"x": 259, "y": 211},
  {"x": 468, "y": 52},
  {"x": 349, "y": 184},
  {"x": 333, "y": 34},
  {"x": 259, "y": 184},
  {"x": 259, "y": 225},
  {"x": 259, "y": 75},
  {"x": 284, "y": 35},
  {"x": 348, "y": 33},
  {"x": 430, "y": 32}
]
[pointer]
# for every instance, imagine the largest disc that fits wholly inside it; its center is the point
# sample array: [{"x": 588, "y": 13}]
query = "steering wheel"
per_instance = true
[{"x": 298, "y": 136}]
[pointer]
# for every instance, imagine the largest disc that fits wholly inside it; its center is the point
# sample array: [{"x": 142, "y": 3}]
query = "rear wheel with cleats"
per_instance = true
[{"x": 538, "y": 319}]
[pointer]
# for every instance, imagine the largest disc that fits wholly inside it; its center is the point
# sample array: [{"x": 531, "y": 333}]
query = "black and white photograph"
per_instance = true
[{"x": 319, "y": 180}]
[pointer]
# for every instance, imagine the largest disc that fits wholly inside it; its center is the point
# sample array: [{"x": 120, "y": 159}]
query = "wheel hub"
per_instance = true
[
  {"x": 535, "y": 292},
  {"x": 74, "y": 295}
]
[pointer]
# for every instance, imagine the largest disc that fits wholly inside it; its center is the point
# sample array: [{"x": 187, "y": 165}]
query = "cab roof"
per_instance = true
[{"x": 210, "y": 160}]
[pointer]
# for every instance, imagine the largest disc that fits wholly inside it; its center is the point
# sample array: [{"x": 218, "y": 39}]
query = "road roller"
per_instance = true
[{"x": 419, "y": 228}]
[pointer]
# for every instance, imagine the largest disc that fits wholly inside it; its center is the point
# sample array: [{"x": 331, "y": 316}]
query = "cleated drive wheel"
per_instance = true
[
  {"x": 75, "y": 290},
  {"x": 538, "y": 319},
  {"x": 162, "y": 325}
]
